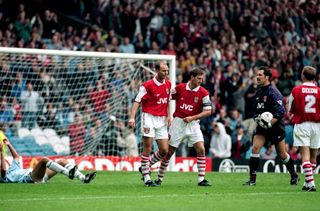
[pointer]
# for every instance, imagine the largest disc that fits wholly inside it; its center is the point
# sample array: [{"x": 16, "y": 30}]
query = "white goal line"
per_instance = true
[{"x": 207, "y": 194}]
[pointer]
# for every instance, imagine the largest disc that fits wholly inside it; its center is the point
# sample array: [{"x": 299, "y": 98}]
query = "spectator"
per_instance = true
[
  {"x": 127, "y": 140},
  {"x": 220, "y": 145},
  {"x": 49, "y": 119},
  {"x": 99, "y": 98},
  {"x": 248, "y": 122},
  {"x": 270, "y": 153},
  {"x": 6, "y": 114},
  {"x": 77, "y": 133},
  {"x": 23, "y": 26},
  {"x": 18, "y": 86},
  {"x": 5, "y": 79},
  {"x": 154, "y": 48},
  {"x": 30, "y": 102},
  {"x": 240, "y": 143},
  {"x": 246, "y": 33},
  {"x": 16, "y": 108},
  {"x": 126, "y": 46}
]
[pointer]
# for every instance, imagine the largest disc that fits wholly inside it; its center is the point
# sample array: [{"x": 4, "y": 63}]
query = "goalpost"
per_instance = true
[{"x": 71, "y": 102}]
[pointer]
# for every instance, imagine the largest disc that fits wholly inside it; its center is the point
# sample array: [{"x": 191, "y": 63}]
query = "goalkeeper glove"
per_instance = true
[{"x": 262, "y": 123}]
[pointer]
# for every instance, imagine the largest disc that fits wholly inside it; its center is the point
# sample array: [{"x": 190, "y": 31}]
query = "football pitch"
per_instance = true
[{"x": 179, "y": 191}]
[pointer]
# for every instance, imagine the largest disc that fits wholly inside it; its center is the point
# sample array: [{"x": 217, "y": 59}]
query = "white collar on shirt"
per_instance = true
[
  {"x": 157, "y": 82},
  {"x": 309, "y": 84},
  {"x": 195, "y": 89}
]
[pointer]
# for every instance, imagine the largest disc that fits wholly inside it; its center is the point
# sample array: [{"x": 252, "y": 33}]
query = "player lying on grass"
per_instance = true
[{"x": 41, "y": 173}]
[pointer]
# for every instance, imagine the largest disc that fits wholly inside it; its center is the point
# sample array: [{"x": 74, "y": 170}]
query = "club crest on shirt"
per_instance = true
[
  {"x": 196, "y": 99},
  {"x": 167, "y": 91},
  {"x": 146, "y": 130},
  {"x": 265, "y": 98}
]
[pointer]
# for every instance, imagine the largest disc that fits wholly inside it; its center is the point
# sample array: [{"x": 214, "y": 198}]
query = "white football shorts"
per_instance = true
[
  {"x": 154, "y": 126},
  {"x": 179, "y": 131},
  {"x": 307, "y": 134}
]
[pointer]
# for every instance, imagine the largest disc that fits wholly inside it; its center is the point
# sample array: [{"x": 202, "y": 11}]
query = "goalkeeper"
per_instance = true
[
  {"x": 41, "y": 173},
  {"x": 269, "y": 99}
]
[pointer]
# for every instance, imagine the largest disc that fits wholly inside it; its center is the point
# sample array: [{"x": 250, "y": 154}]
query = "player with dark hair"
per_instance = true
[
  {"x": 41, "y": 173},
  {"x": 192, "y": 104},
  {"x": 154, "y": 95},
  {"x": 269, "y": 99},
  {"x": 304, "y": 104}
]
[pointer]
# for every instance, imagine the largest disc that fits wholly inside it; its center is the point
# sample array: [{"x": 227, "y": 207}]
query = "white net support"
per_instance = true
[{"x": 73, "y": 103}]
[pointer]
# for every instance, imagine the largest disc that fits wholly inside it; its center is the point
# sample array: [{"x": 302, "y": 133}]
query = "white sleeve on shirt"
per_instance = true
[
  {"x": 290, "y": 101},
  {"x": 142, "y": 92}
]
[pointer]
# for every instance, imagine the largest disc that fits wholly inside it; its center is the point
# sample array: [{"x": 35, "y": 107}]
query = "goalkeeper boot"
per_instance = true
[
  {"x": 294, "y": 179},
  {"x": 72, "y": 172},
  {"x": 204, "y": 183},
  {"x": 250, "y": 182},
  {"x": 149, "y": 183},
  {"x": 158, "y": 182},
  {"x": 89, "y": 177}
]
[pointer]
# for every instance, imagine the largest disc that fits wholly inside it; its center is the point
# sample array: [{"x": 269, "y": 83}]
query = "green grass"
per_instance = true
[{"x": 179, "y": 191}]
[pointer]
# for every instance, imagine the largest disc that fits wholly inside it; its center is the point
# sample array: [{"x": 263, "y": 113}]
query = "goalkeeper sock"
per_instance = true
[
  {"x": 155, "y": 157},
  {"x": 254, "y": 164},
  {"x": 201, "y": 164},
  {"x": 289, "y": 164},
  {"x": 57, "y": 168}
]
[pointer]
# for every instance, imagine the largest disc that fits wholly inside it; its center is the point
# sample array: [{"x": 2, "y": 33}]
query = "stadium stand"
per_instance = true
[{"x": 229, "y": 38}]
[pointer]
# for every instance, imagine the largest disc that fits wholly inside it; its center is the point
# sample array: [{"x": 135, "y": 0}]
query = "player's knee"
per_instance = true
[
  {"x": 284, "y": 156},
  {"x": 62, "y": 162},
  {"x": 44, "y": 160},
  {"x": 255, "y": 149},
  {"x": 163, "y": 152},
  {"x": 169, "y": 153},
  {"x": 200, "y": 150}
]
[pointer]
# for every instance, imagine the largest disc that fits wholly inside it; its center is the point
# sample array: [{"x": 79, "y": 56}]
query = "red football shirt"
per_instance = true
[
  {"x": 154, "y": 97},
  {"x": 190, "y": 102},
  {"x": 304, "y": 103}
]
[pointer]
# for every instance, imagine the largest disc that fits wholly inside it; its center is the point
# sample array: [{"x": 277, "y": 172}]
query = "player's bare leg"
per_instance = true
[
  {"x": 161, "y": 152},
  {"x": 286, "y": 159},
  {"x": 70, "y": 167},
  {"x": 39, "y": 170}
]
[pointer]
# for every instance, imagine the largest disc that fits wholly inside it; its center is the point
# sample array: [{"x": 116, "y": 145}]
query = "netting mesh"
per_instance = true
[{"x": 61, "y": 105}]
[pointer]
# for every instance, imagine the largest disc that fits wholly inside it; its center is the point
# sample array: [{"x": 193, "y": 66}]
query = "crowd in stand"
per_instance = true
[{"x": 228, "y": 38}]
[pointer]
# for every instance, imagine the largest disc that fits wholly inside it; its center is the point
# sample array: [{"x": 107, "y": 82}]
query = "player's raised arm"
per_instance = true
[
  {"x": 13, "y": 151},
  {"x": 2, "y": 160}
]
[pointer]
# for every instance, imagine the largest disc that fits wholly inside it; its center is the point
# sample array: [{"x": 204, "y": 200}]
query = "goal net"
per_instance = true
[{"x": 73, "y": 103}]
